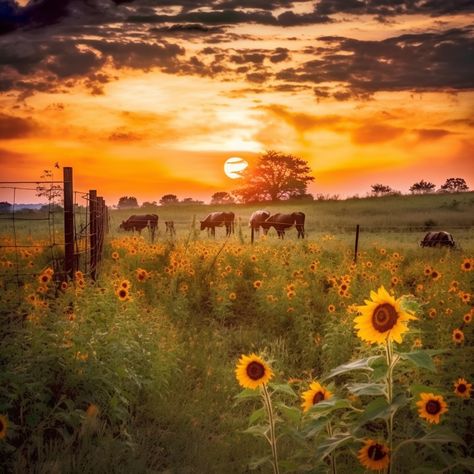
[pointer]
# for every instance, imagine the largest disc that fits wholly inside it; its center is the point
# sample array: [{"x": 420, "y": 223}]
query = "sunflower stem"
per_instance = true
[
  {"x": 271, "y": 419},
  {"x": 389, "y": 383},
  {"x": 332, "y": 458}
]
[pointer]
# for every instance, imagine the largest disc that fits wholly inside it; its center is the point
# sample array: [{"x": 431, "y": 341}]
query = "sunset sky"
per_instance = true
[{"x": 149, "y": 97}]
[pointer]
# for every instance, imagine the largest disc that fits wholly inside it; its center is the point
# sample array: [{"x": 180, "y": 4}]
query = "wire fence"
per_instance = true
[{"x": 65, "y": 234}]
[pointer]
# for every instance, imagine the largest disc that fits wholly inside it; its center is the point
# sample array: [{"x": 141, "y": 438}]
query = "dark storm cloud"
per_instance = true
[
  {"x": 419, "y": 62},
  {"x": 12, "y": 127},
  {"x": 383, "y": 8}
]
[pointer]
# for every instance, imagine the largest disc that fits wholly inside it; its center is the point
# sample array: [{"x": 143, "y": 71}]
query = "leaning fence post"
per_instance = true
[
  {"x": 356, "y": 244},
  {"x": 252, "y": 234},
  {"x": 93, "y": 231},
  {"x": 68, "y": 196}
]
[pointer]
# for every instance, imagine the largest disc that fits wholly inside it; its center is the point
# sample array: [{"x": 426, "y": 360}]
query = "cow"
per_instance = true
[
  {"x": 218, "y": 219},
  {"x": 257, "y": 219},
  {"x": 139, "y": 222},
  {"x": 438, "y": 239},
  {"x": 284, "y": 221}
]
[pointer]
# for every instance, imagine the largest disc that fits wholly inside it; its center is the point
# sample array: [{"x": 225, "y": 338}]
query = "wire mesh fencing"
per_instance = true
[{"x": 64, "y": 234}]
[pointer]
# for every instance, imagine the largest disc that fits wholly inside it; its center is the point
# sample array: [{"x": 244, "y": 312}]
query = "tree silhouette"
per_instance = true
[
  {"x": 5, "y": 206},
  {"x": 222, "y": 197},
  {"x": 455, "y": 185},
  {"x": 381, "y": 190},
  {"x": 169, "y": 199},
  {"x": 127, "y": 202},
  {"x": 275, "y": 176},
  {"x": 422, "y": 187}
]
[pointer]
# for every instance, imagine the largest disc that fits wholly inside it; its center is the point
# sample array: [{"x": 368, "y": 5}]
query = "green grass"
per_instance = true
[{"x": 160, "y": 367}]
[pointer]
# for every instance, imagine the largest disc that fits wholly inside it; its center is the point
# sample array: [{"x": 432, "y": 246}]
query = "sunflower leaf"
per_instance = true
[
  {"x": 315, "y": 426},
  {"x": 246, "y": 394},
  {"x": 440, "y": 435},
  {"x": 360, "y": 364},
  {"x": 256, "y": 463},
  {"x": 291, "y": 413},
  {"x": 419, "y": 359},
  {"x": 366, "y": 389},
  {"x": 257, "y": 415},
  {"x": 283, "y": 388},
  {"x": 380, "y": 409},
  {"x": 326, "y": 407},
  {"x": 327, "y": 446},
  {"x": 416, "y": 389},
  {"x": 257, "y": 430}
]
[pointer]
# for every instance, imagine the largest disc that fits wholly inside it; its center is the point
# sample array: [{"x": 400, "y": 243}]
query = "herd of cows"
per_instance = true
[{"x": 259, "y": 219}]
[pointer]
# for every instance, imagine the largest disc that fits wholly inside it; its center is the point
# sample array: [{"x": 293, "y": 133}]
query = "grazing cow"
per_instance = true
[
  {"x": 218, "y": 219},
  {"x": 139, "y": 222},
  {"x": 438, "y": 239},
  {"x": 285, "y": 221},
  {"x": 257, "y": 219}
]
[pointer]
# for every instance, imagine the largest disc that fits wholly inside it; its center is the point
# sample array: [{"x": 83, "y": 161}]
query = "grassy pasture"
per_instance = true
[{"x": 94, "y": 380}]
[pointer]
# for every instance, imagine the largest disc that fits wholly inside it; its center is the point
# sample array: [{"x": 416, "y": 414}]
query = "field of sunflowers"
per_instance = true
[{"x": 195, "y": 355}]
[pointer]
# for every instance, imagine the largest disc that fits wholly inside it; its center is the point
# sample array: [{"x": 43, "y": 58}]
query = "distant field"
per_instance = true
[{"x": 399, "y": 219}]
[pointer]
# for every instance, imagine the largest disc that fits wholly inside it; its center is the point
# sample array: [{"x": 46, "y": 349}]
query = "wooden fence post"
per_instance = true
[
  {"x": 93, "y": 231},
  {"x": 356, "y": 244},
  {"x": 252, "y": 234},
  {"x": 68, "y": 195}
]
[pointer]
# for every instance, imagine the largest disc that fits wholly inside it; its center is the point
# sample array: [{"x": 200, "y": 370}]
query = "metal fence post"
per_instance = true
[
  {"x": 93, "y": 231},
  {"x": 68, "y": 222}
]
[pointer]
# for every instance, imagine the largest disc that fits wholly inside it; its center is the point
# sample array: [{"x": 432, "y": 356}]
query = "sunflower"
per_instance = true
[
  {"x": 252, "y": 371},
  {"x": 462, "y": 388},
  {"x": 257, "y": 284},
  {"x": 125, "y": 284},
  {"x": 374, "y": 455},
  {"x": 458, "y": 336},
  {"x": 3, "y": 426},
  {"x": 427, "y": 270},
  {"x": 232, "y": 296},
  {"x": 44, "y": 278},
  {"x": 432, "y": 312},
  {"x": 115, "y": 255},
  {"x": 467, "y": 318},
  {"x": 123, "y": 294},
  {"x": 315, "y": 394},
  {"x": 331, "y": 308},
  {"x": 466, "y": 265},
  {"x": 431, "y": 407},
  {"x": 435, "y": 275},
  {"x": 382, "y": 318}
]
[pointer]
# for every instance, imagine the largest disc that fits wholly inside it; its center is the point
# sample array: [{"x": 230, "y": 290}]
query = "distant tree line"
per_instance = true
[{"x": 278, "y": 176}]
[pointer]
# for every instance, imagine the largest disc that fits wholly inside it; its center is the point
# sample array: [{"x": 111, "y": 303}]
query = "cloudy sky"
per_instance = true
[{"x": 148, "y": 97}]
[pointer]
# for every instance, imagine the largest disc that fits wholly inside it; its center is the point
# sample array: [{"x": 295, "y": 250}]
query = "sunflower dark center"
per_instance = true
[
  {"x": 462, "y": 388},
  {"x": 376, "y": 452},
  {"x": 433, "y": 407},
  {"x": 384, "y": 317},
  {"x": 467, "y": 265},
  {"x": 255, "y": 370},
  {"x": 318, "y": 397},
  {"x": 123, "y": 293},
  {"x": 2, "y": 426}
]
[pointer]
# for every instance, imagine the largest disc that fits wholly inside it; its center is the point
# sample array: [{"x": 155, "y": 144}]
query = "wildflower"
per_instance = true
[
  {"x": 458, "y": 336},
  {"x": 467, "y": 318},
  {"x": 257, "y": 284},
  {"x": 123, "y": 294},
  {"x": 417, "y": 343},
  {"x": 466, "y": 265},
  {"x": 79, "y": 275},
  {"x": 427, "y": 270},
  {"x": 431, "y": 407},
  {"x": 395, "y": 280},
  {"x": 432, "y": 312},
  {"x": 3, "y": 426},
  {"x": 232, "y": 296},
  {"x": 252, "y": 371},
  {"x": 374, "y": 455},
  {"x": 382, "y": 318},
  {"x": 115, "y": 256},
  {"x": 435, "y": 275},
  {"x": 331, "y": 308},
  {"x": 64, "y": 285},
  {"x": 462, "y": 388},
  {"x": 125, "y": 284},
  {"x": 44, "y": 278},
  {"x": 92, "y": 411},
  {"x": 314, "y": 395},
  {"x": 382, "y": 251},
  {"x": 290, "y": 294}
]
